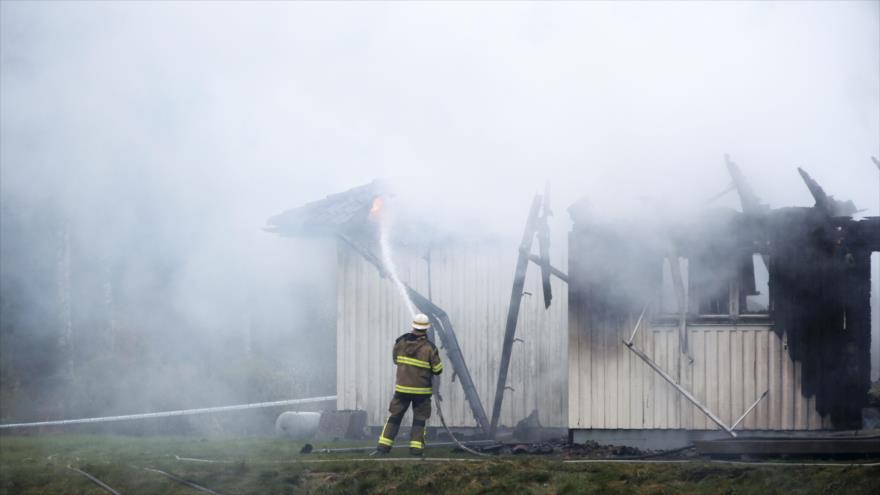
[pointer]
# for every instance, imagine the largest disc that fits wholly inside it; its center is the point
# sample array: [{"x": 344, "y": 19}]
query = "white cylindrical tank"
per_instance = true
[{"x": 298, "y": 425}]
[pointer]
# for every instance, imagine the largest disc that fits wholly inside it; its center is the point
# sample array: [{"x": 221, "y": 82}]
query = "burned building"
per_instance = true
[
  {"x": 766, "y": 307},
  {"x": 745, "y": 321}
]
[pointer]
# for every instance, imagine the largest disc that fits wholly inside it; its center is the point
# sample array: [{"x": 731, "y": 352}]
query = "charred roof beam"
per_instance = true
[
  {"x": 544, "y": 247},
  {"x": 747, "y": 197},
  {"x": 825, "y": 202}
]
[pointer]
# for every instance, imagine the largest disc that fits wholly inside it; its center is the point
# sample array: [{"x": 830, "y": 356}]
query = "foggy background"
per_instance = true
[{"x": 144, "y": 145}]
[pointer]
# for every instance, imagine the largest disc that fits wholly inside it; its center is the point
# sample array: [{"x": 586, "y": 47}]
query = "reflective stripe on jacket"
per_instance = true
[{"x": 417, "y": 362}]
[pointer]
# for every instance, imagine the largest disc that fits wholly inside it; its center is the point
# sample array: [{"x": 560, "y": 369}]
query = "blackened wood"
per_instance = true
[
  {"x": 556, "y": 272},
  {"x": 750, "y": 202},
  {"x": 747, "y": 197},
  {"x": 519, "y": 279},
  {"x": 819, "y": 283},
  {"x": 825, "y": 202},
  {"x": 544, "y": 248}
]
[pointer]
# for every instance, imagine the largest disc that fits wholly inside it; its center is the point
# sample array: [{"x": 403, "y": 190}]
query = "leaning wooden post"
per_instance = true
[
  {"x": 519, "y": 279},
  {"x": 544, "y": 248}
]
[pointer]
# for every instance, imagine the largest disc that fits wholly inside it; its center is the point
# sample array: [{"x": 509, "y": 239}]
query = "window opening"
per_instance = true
[{"x": 756, "y": 300}]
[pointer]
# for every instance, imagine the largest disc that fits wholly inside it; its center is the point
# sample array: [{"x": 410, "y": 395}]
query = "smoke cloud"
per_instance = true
[{"x": 145, "y": 144}]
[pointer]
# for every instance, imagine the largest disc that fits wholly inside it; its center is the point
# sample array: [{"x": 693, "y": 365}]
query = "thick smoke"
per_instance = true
[{"x": 145, "y": 144}]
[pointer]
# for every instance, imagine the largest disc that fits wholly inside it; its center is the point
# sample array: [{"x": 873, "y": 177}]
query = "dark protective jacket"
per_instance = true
[{"x": 417, "y": 362}]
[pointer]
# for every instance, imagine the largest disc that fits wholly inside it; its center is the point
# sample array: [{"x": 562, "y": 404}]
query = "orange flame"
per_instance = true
[{"x": 376, "y": 209}]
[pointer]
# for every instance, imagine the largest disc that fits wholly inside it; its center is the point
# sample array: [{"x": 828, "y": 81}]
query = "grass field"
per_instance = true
[{"x": 38, "y": 465}]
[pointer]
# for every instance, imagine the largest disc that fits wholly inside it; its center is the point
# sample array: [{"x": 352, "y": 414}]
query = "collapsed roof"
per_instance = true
[{"x": 341, "y": 213}]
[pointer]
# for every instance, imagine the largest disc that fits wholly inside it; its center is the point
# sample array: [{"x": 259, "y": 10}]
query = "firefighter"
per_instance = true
[{"x": 417, "y": 362}]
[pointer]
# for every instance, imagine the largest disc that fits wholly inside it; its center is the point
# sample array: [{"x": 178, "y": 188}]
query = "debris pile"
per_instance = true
[{"x": 595, "y": 450}]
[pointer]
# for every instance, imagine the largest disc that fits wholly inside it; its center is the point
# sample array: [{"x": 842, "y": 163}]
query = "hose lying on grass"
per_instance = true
[
  {"x": 184, "y": 482},
  {"x": 448, "y": 431},
  {"x": 94, "y": 480},
  {"x": 310, "y": 449}
]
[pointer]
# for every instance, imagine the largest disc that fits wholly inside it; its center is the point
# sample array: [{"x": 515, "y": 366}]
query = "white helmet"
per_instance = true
[{"x": 421, "y": 322}]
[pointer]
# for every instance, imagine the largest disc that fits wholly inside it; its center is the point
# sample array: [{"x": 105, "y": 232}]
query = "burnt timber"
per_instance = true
[
  {"x": 544, "y": 248},
  {"x": 556, "y": 272},
  {"x": 516, "y": 294}
]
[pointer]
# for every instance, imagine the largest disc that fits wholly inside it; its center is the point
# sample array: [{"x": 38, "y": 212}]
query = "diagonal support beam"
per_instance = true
[
  {"x": 754, "y": 405},
  {"x": 687, "y": 395},
  {"x": 556, "y": 272},
  {"x": 440, "y": 323}
]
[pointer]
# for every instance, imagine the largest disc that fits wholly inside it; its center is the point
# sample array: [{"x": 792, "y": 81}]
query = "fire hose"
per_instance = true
[
  {"x": 449, "y": 432},
  {"x": 94, "y": 480}
]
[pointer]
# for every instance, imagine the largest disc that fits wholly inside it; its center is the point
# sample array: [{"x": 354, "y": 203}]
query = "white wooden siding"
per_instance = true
[
  {"x": 472, "y": 283},
  {"x": 610, "y": 387}
]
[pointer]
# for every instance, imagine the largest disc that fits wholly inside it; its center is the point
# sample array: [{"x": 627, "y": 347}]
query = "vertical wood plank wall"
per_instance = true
[
  {"x": 610, "y": 387},
  {"x": 472, "y": 283}
]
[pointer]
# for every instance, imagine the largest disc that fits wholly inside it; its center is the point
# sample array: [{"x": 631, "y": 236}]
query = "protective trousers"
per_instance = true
[{"x": 421, "y": 405}]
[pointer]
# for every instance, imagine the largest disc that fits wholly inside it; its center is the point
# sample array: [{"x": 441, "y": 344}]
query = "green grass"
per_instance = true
[{"x": 38, "y": 465}]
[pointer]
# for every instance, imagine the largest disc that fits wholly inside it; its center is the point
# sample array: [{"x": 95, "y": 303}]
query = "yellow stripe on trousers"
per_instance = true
[{"x": 383, "y": 440}]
